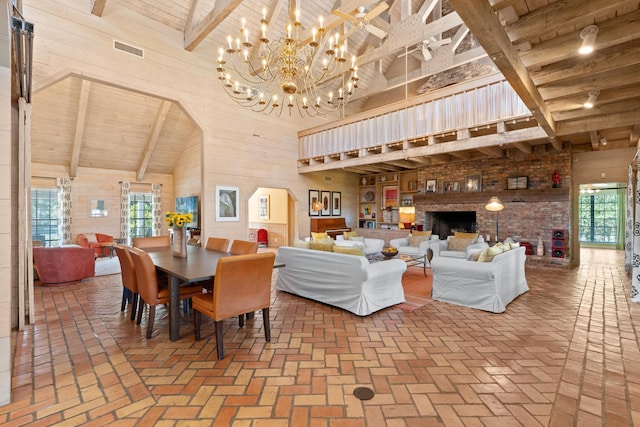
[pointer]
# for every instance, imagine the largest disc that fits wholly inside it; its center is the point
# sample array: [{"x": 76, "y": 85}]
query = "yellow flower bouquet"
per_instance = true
[{"x": 175, "y": 219}]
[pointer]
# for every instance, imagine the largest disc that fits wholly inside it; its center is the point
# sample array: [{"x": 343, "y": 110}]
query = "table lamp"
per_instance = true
[
  {"x": 495, "y": 205},
  {"x": 316, "y": 206}
]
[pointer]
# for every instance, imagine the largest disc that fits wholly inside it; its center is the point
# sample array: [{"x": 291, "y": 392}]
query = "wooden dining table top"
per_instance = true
[{"x": 200, "y": 263}]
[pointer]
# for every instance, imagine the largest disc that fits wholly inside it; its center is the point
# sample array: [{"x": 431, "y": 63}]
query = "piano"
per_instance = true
[{"x": 332, "y": 226}]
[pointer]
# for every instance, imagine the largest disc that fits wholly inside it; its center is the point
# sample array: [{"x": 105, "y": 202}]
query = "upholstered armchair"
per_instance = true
[
  {"x": 415, "y": 244},
  {"x": 63, "y": 265},
  {"x": 96, "y": 241},
  {"x": 461, "y": 245}
]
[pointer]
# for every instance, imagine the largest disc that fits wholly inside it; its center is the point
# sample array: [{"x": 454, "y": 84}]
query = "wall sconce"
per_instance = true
[
  {"x": 590, "y": 102},
  {"x": 588, "y": 36},
  {"x": 603, "y": 141}
]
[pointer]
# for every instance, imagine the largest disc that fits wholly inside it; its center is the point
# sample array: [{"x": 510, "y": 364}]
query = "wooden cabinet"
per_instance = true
[
  {"x": 408, "y": 187},
  {"x": 367, "y": 202},
  {"x": 379, "y": 199}
]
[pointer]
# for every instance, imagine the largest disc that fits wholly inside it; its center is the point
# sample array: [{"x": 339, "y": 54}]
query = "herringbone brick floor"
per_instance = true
[{"x": 565, "y": 353}]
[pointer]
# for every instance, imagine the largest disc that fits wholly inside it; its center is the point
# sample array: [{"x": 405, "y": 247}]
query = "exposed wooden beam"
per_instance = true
[
  {"x": 600, "y": 110},
  {"x": 223, "y": 8},
  {"x": 595, "y": 143},
  {"x": 192, "y": 13},
  {"x": 97, "y": 7},
  {"x": 629, "y": 118},
  {"x": 558, "y": 106},
  {"x": 492, "y": 151},
  {"x": 83, "y": 101},
  {"x": 622, "y": 77},
  {"x": 635, "y": 136},
  {"x": 161, "y": 117},
  {"x": 485, "y": 26},
  {"x": 522, "y": 146}
]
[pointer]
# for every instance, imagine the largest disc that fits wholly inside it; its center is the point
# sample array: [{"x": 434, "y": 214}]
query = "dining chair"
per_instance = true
[
  {"x": 242, "y": 283},
  {"x": 129, "y": 283},
  {"x": 151, "y": 242},
  {"x": 148, "y": 289},
  {"x": 217, "y": 244},
  {"x": 243, "y": 247}
]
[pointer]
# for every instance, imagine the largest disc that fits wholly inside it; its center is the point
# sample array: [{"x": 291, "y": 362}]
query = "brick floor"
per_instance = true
[{"x": 565, "y": 353}]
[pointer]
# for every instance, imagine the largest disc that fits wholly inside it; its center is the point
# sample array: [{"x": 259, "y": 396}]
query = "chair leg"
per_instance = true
[
  {"x": 241, "y": 320},
  {"x": 197, "y": 319},
  {"x": 124, "y": 299},
  {"x": 134, "y": 305},
  {"x": 140, "y": 310},
  {"x": 152, "y": 318},
  {"x": 267, "y": 326},
  {"x": 218, "y": 326}
]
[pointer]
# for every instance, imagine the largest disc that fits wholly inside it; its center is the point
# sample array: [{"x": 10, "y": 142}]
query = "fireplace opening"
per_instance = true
[{"x": 447, "y": 223}]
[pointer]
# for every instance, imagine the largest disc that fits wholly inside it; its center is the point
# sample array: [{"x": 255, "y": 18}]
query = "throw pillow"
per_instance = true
[
  {"x": 318, "y": 236},
  {"x": 416, "y": 240},
  {"x": 421, "y": 233},
  {"x": 461, "y": 235},
  {"x": 322, "y": 246},
  {"x": 355, "y": 250},
  {"x": 349, "y": 234},
  {"x": 91, "y": 237},
  {"x": 488, "y": 254},
  {"x": 474, "y": 256},
  {"x": 348, "y": 244},
  {"x": 459, "y": 244},
  {"x": 297, "y": 243},
  {"x": 514, "y": 245}
]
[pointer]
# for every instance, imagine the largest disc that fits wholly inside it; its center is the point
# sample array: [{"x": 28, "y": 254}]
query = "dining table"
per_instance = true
[{"x": 199, "y": 265}]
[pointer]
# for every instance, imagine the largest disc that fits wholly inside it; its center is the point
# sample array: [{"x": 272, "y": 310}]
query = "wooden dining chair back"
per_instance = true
[
  {"x": 243, "y": 247},
  {"x": 242, "y": 284},
  {"x": 151, "y": 242},
  {"x": 148, "y": 289},
  {"x": 217, "y": 244},
  {"x": 129, "y": 282}
]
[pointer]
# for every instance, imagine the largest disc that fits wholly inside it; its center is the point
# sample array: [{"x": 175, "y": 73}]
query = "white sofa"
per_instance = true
[
  {"x": 441, "y": 248},
  {"x": 345, "y": 281},
  {"x": 369, "y": 246},
  {"x": 488, "y": 286},
  {"x": 404, "y": 248}
]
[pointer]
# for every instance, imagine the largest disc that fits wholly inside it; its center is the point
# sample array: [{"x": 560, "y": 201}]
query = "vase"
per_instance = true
[{"x": 179, "y": 245}]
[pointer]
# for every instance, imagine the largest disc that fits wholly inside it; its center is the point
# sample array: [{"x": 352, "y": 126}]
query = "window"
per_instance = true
[
  {"x": 44, "y": 216},
  {"x": 599, "y": 217},
  {"x": 141, "y": 214}
]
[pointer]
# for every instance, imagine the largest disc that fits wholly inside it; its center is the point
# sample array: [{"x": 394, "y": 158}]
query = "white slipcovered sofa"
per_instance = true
[
  {"x": 345, "y": 281},
  {"x": 404, "y": 246},
  {"x": 445, "y": 248},
  {"x": 488, "y": 286}
]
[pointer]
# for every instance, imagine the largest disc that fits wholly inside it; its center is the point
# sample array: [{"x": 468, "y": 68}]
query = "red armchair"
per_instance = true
[
  {"x": 63, "y": 265},
  {"x": 98, "y": 243}
]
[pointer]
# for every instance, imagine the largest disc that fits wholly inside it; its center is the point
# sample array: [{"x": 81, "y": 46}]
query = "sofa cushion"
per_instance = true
[
  {"x": 297, "y": 243},
  {"x": 473, "y": 256},
  {"x": 421, "y": 233},
  {"x": 322, "y": 245},
  {"x": 416, "y": 240},
  {"x": 91, "y": 237},
  {"x": 318, "y": 236},
  {"x": 353, "y": 250},
  {"x": 459, "y": 243},
  {"x": 453, "y": 254},
  {"x": 349, "y": 234},
  {"x": 462, "y": 235},
  {"x": 348, "y": 244}
]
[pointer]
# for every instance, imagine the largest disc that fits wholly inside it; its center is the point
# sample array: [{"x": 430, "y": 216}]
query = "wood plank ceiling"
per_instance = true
[{"x": 533, "y": 43}]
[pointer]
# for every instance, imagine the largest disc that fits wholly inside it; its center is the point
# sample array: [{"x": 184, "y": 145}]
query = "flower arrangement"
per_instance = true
[{"x": 175, "y": 219}]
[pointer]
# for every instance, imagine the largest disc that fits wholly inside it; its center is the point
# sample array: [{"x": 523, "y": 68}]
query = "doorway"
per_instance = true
[
  {"x": 272, "y": 209},
  {"x": 601, "y": 215}
]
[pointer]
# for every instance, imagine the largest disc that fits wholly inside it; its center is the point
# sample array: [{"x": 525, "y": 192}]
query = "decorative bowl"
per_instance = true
[{"x": 389, "y": 252}]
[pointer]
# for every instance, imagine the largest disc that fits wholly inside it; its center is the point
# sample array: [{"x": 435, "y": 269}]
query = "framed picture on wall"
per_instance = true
[
  {"x": 431, "y": 186},
  {"x": 390, "y": 196},
  {"x": 473, "y": 183},
  {"x": 227, "y": 199},
  {"x": 325, "y": 198},
  {"x": 336, "y": 203},
  {"x": 263, "y": 206},
  {"x": 451, "y": 187},
  {"x": 314, "y": 196}
]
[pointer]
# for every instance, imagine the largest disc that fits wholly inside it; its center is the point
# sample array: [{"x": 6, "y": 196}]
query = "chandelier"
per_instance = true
[{"x": 312, "y": 76}]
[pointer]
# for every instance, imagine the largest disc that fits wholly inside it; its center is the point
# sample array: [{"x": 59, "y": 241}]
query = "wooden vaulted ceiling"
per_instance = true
[{"x": 533, "y": 43}]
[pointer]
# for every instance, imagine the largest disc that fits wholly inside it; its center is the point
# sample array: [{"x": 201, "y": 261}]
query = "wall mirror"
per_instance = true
[{"x": 97, "y": 208}]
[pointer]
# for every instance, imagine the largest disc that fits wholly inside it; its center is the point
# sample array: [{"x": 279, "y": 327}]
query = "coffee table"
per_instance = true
[{"x": 410, "y": 260}]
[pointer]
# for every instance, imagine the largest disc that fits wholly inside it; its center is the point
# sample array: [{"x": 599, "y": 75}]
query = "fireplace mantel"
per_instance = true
[{"x": 506, "y": 196}]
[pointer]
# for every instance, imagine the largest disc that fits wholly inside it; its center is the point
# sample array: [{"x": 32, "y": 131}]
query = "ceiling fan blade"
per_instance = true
[
  {"x": 381, "y": 7},
  {"x": 343, "y": 15},
  {"x": 376, "y": 31}
]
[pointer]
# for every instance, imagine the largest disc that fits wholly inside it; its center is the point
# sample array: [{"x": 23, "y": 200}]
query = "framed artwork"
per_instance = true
[
  {"x": 336, "y": 203},
  {"x": 263, "y": 207},
  {"x": 451, "y": 187},
  {"x": 518, "y": 183},
  {"x": 413, "y": 185},
  {"x": 390, "y": 196},
  {"x": 314, "y": 196},
  {"x": 473, "y": 183},
  {"x": 431, "y": 186},
  {"x": 227, "y": 203},
  {"x": 325, "y": 198},
  {"x": 97, "y": 209}
]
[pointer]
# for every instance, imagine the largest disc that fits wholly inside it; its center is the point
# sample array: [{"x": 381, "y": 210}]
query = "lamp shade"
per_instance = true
[
  {"x": 494, "y": 205},
  {"x": 317, "y": 206}
]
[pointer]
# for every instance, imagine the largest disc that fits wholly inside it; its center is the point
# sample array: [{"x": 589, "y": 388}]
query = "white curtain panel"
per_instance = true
[
  {"x": 156, "y": 190},
  {"x": 635, "y": 277},
  {"x": 64, "y": 213},
  {"x": 125, "y": 190},
  {"x": 628, "y": 235}
]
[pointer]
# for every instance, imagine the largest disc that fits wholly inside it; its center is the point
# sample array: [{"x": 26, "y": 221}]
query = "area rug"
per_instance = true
[
  {"x": 106, "y": 266},
  {"x": 417, "y": 289}
]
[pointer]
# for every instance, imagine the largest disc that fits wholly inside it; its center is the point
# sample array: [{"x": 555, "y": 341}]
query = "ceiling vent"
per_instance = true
[
  {"x": 128, "y": 48},
  {"x": 327, "y": 178}
]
